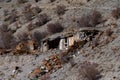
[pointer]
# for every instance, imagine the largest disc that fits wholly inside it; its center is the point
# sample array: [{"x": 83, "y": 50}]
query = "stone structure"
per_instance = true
[{"x": 64, "y": 40}]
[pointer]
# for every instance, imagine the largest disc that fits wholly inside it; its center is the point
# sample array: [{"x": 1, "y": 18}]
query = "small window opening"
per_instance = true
[{"x": 66, "y": 42}]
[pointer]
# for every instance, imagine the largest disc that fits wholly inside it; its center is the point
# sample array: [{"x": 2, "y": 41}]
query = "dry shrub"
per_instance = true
[
  {"x": 21, "y": 1},
  {"x": 30, "y": 26},
  {"x": 28, "y": 16},
  {"x": 60, "y": 9},
  {"x": 6, "y": 12},
  {"x": 23, "y": 36},
  {"x": 36, "y": 0},
  {"x": 27, "y": 12},
  {"x": 89, "y": 71},
  {"x": 27, "y": 7},
  {"x": 116, "y": 13},
  {"x": 54, "y": 27},
  {"x": 4, "y": 27},
  {"x": 12, "y": 17},
  {"x": 108, "y": 32},
  {"x": 52, "y": 0},
  {"x": 90, "y": 20},
  {"x": 45, "y": 77},
  {"x": 42, "y": 19},
  {"x": 36, "y": 10},
  {"x": 37, "y": 36},
  {"x": 7, "y": 40}
]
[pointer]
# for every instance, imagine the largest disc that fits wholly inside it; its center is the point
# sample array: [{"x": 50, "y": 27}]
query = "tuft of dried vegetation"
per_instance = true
[
  {"x": 36, "y": 0},
  {"x": 45, "y": 77},
  {"x": 89, "y": 71},
  {"x": 30, "y": 12},
  {"x": 60, "y": 9},
  {"x": 7, "y": 39},
  {"x": 23, "y": 36},
  {"x": 52, "y": 0},
  {"x": 36, "y": 10},
  {"x": 116, "y": 13},
  {"x": 12, "y": 17},
  {"x": 30, "y": 26},
  {"x": 27, "y": 12},
  {"x": 54, "y": 28},
  {"x": 21, "y": 1},
  {"x": 37, "y": 36},
  {"x": 41, "y": 20},
  {"x": 108, "y": 32},
  {"x": 4, "y": 27},
  {"x": 90, "y": 20},
  {"x": 6, "y": 12}
]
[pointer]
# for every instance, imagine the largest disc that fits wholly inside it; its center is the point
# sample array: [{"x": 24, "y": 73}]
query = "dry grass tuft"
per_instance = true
[
  {"x": 60, "y": 9},
  {"x": 45, "y": 77},
  {"x": 89, "y": 71},
  {"x": 37, "y": 36},
  {"x": 12, "y": 17},
  {"x": 90, "y": 20},
  {"x": 23, "y": 36},
  {"x": 6, "y": 37},
  {"x": 52, "y": 0},
  {"x": 41, "y": 20},
  {"x": 116, "y": 13},
  {"x": 36, "y": 10},
  {"x": 21, "y": 1},
  {"x": 108, "y": 32},
  {"x": 4, "y": 27},
  {"x": 54, "y": 28},
  {"x": 6, "y": 40}
]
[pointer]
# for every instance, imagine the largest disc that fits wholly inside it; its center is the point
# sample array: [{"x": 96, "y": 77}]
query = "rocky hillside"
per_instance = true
[{"x": 95, "y": 58}]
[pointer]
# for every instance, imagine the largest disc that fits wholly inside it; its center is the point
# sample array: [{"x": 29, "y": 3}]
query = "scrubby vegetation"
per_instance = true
[
  {"x": 36, "y": 10},
  {"x": 52, "y": 0},
  {"x": 6, "y": 37},
  {"x": 90, "y": 20},
  {"x": 23, "y": 36},
  {"x": 37, "y": 36},
  {"x": 27, "y": 13},
  {"x": 42, "y": 19},
  {"x": 116, "y": 13},
  {"x": 12, "y": 16},
  {"x": 54, "y": 27},
  {"x": 89, "y": 71},
  {"x": 21, "y": 1},
  {"x": 60, "y": 9}
]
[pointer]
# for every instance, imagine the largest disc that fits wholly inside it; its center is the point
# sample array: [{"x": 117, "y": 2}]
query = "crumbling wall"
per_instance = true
[{"x": 61, "y": 44}]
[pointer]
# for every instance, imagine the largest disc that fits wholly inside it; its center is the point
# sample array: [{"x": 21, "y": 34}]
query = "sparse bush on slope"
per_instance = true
[
  {"x": 37, "y": 36},
  {"x": 88, "y": 71},
  {"x": 12, "y": 17},
  {"x": 60, "y": 9},
  {"x": 23, "y": 36},
  {"x": 42, "y": 19},
  {"x": 116, "y": 13},
  {"x": 52, "y": 0},
  {"x": 54, "y": 28},
  {"x": 90, "y": 20},
  {"x": 21, "y": 1},
  {"x": 6, "y": 40}
]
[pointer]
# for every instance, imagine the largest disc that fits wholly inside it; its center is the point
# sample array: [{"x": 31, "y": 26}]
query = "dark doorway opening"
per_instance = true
[{"x": 53, "y": 43}]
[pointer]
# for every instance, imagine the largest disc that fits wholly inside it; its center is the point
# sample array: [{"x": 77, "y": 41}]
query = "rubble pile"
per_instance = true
[{"x": 49, "y": 65}]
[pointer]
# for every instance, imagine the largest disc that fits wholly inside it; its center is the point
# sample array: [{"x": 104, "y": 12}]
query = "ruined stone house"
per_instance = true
[{"x": 62, "y": 41}]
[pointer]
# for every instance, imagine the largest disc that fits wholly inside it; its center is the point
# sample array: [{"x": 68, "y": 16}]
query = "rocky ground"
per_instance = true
[{"x": 98, "y": 59}]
